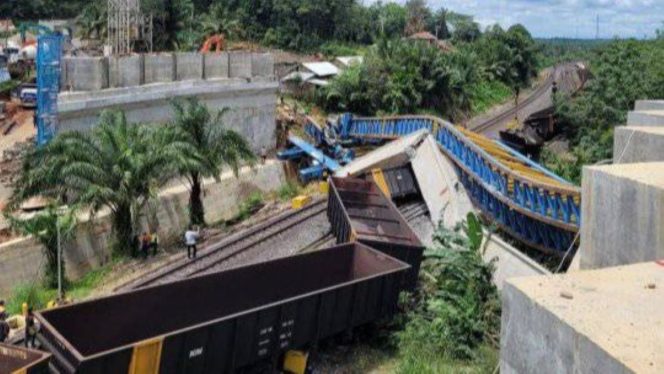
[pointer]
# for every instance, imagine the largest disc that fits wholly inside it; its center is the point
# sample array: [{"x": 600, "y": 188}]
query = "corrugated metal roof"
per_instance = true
[
  {"x": 318, "y": 82},
  {"x": 321, "y": 69}
]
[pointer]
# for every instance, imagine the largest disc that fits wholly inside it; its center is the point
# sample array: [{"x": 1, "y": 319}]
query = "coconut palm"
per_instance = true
[
  {"x": 217, "y": 146},
  {"x": 117, "y": 166}
]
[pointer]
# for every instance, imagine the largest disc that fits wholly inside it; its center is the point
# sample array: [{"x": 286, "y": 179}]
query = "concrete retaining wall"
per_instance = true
[
  {"x": 98, "y": 73},
  {"x": 622, "y": 214},
  {"x": 251, "y": 105},
  {"x": 646, "y": 118},
  {"x": 638, "y": 144},
  {"x": 20, "y": 260}
]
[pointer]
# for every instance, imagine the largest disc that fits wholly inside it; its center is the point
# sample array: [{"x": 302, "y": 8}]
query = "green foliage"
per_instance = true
[
  {"x": 38, "y": 296},
  {"x": 215, "y": 145},
  {"x": 45, "y": 227},
  {"x": 7, "y": 86},
  {"x": 623, "y": 72},
  {"x": 251, "y": 205},
  {"x": 459, "y": 308},
  {"x": 559, "y": 50},
  {"x": 117, "y": 165},
  {"x": 92, "y": 20},
  {"x": 336, "y": 49},
  {"x": 288, "y": 191},
  {"x": 487, "y": 93},
  {"x": 40, "y": 9}
]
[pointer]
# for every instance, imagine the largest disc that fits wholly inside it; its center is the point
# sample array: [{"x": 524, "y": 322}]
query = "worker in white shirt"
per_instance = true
[{"x": 190, "y": 238}]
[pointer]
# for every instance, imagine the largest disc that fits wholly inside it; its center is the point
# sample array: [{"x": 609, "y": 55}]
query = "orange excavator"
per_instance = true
[{"x": 215, "y": 41}]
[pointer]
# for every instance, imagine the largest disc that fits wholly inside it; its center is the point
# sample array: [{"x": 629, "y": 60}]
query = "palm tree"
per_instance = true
[
  {"x": 217, "y": 147},
  {"x": 45, "y": 227},
  {"x": 219, "y": 20},
  {"x": 118, "y": 166},
  {"x": 92, "y": 20}
]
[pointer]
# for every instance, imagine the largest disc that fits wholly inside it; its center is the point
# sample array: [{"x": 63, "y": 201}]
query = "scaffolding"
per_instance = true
[
  {"x": 49, "y": 56},
  {"x": 128, "y": 28}
]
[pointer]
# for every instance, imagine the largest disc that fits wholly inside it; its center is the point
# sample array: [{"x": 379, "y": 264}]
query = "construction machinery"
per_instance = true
[{"x": 216, "y": 42}]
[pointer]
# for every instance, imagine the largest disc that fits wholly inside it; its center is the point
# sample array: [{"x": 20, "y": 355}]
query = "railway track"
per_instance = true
[
  {"x": 511, "y": 112},
  {"x": 228, "y": 249}
]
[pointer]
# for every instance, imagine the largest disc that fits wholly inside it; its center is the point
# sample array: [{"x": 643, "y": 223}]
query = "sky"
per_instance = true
[{"x": 565, "y": 18}]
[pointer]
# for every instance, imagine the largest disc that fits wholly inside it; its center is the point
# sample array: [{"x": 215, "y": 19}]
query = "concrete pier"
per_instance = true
[
  {"x": 601, "y": 321},
  {"x": 622, "y": 214}
]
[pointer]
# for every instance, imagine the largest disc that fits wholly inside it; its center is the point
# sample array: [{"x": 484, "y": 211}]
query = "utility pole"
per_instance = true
[
  {"x": 597, "y": 28},
  {"x": 57, "y": 228}
]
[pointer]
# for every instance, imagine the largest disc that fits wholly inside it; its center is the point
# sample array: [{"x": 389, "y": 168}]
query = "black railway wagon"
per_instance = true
[
  {"x": 359, "y": 211},
  {"x": 17, "y": 360},
  {"x": 227, "y": 321}
]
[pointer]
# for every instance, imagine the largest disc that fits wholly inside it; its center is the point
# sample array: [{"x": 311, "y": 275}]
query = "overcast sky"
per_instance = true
[{"x": 565, "y": 18}]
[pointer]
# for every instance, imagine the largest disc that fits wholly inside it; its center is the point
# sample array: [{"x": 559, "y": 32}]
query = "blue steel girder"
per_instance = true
[{"x": 543, "y": 216}]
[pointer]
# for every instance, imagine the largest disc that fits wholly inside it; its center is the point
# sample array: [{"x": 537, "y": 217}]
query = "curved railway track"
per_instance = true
[{"x": 541, "y": 90}]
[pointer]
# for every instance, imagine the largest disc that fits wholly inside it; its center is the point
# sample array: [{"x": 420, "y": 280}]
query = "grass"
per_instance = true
[
  {"x": 422, "y": 360},
  {"x": 487, "y": 94},
  {"x": 38, "y": 296},
  {"x": 287, "y": 191},
  {"x": 249, "y": 206}
]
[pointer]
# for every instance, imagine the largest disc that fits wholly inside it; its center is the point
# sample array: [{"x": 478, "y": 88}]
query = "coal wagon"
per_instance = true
[
  {"x": 358, "y": 210},
  {"x": 228, "y": 321},
  {"x": 17, "y": 360}
]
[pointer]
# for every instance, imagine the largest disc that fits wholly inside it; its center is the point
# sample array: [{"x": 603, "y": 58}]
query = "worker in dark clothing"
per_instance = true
[
  {"x": 30, "y": 329},
  {"x": 154, "y": 243},
  {"x": 145, "y": 244},
  {"x": 4, "y": 328}
]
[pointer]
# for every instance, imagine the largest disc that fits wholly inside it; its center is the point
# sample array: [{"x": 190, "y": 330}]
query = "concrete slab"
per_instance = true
[
  {"x": 439, "y": 183},
  {"x": 393, "y": 154},
  {"x": 125, "y": 71},
  {"x": 622, "y": 214},
  {"x": 239, "y": 65},
  {"x": 188, "y": 65},
  {"x": 509, "y": 262},
  {"x": 646, "y": 118},
  {"x": 86, "y": 73},
  {"x": 216, "y": 65},
  {"x": 262, "y": 65},
  {"x": 602, "y": 321},
  {"x": 159, "y": 67},
  {"x": 649, "y": 105},
  {"x": 252, "y": 106},
  {"x": 638, "y": 144}
]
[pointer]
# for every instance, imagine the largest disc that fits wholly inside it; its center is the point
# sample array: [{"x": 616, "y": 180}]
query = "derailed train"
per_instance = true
[{"x": 249, "y": 318}]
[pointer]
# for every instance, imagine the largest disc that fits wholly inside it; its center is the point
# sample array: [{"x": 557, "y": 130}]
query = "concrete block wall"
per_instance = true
[
  {"x": 252, "y": 105},
  {"x": 623, "y": 214},
  {"x": 85, "y": 73},
  {"x": 239, "y": 65},
  {"x": 188, "y": 66},
  {"x": 216, "y": 65},
  {"x": 126, "y": 71},
  {"x": 99, "y": 73},
  {"x": 20, "y": 259},
  {"x": 159, "y": 68}
]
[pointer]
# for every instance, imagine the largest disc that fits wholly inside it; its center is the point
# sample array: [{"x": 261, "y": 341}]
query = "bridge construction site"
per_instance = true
[{"x": 263, "y": 298}]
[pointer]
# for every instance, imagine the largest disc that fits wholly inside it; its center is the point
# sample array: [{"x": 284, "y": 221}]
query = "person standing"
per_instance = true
[
  {"x": 145, "y": 244},
  {"x": 190, "y": 239},
  {"x": 4, "y": 328},
  {"x": 30, "y": 329},
  {"x": 154, "y": 243}
]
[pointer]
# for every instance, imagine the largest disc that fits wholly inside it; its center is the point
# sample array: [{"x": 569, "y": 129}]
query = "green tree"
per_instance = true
[
  {"x": 216, "y": 145},
  {"x": 419, "y": 16},
  {"x": 117, "y": 165},
  {"x": 45, "y": 227},
  {"x": 92, "y": 21},
  {"x": 220, "y": 20},
  {"x": 439, "y": 24}
]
